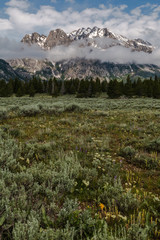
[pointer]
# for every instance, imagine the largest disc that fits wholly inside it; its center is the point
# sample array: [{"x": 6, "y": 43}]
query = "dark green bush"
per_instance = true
[
  {"x": 128, "y": 152},
  {"x": 146, "y": 162},
  {"x": 153, "y": 145},
  {"x": 73, "y": 108}
]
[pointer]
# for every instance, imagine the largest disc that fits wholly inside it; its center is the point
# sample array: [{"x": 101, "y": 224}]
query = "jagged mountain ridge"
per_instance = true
[
  {"x": 89, "y": 36},
  {"x": 100, "y": 38},
  {"x": 80, "y": 68}
]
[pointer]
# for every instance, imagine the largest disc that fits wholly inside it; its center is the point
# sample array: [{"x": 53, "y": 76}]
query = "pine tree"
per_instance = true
[
  {"x": 44, "y": 85},
  {"x": 2, "y": 88},
  {"x": 138, "y": 88},
  {"x": 91, "y": 89},
  {"x": 150, "y": 85},
  {"x": 98, "y": 85},
  {"x": 128, "y": 89},
  {"x": 26, "y": 87},
  {"x": 9, "y": 88},
  {"x": 49, "y": 86},
  {"x": 20, "y": 92},
  {"x": 67, "y": 84},
  {"x": 117, "y": 89},
  {"x": 62, "y": 90},
  {"x": 156, "y": 88},
  {"x": 83, "y": 88},
  {"x": 76, "y": 84},
  {"x": 72, "y": 89},
  {"x": 16, "y": 85},
  {"x": 104, "y": 86},
  {"x": 55, "y": 91},
  {"x": 40, "y": 86},
  {"x": 31, "y": 90},
  {"x": 110, "y": 90}
]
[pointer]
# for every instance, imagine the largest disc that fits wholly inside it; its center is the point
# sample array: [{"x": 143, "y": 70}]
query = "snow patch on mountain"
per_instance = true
[{"x": 90, "y": 37}]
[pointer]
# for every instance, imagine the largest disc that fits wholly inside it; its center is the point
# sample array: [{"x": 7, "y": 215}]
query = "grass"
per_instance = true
[{"x": 84, "y": 168}]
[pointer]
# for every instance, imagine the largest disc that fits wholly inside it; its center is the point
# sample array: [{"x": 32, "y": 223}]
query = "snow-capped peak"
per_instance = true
[{"x": 101, "y": 38}]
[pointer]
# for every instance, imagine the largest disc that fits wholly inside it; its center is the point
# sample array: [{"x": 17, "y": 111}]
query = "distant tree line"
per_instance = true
[
  {"x": 146, "y": 88},
  {"x": 82, "y": 88}
]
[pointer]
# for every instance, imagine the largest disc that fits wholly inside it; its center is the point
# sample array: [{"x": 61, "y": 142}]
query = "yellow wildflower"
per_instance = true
[{"x": 102, "y": 206}]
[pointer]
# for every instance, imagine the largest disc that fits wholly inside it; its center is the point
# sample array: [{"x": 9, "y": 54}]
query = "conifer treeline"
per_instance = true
[{"x": 82, "y": 88}]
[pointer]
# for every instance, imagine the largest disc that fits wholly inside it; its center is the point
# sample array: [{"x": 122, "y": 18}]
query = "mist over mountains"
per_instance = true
[{"x": 86, "y": 52}]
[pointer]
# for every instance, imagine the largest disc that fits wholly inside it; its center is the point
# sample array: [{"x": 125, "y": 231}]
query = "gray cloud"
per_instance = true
[
  {"x": 116, "y": 54},
  {"x": 12, "y": 49}
]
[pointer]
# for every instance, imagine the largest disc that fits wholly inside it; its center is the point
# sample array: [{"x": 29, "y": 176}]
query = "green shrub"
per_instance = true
[
  {"x": 73, "y": 108},
  {"x": 153, "y": 145},
  {"x": 29, "y": 111},
  {"x": 116, "y": 194},
  {"x": 146, "y": 162},
  {"x": 136, "y": 232},
  {"x": 128, "y": 152},
  {"x": 27, "y": 230},
  {"x": 15, "y": 132},
  {"x": 3, "y": 114}
]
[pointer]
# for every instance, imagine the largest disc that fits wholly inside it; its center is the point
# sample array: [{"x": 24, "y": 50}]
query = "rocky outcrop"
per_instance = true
[
  {"x": 55, "y": 38},
  {"x": 100, "y": 38},
  {"x": 28, "y": 67},
  {"x": 34, "y": 38},
  {"x": 79, "y": 68}
]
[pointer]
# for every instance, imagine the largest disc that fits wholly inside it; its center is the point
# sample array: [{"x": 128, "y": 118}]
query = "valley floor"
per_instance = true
[{"x": 79, "y": 168}]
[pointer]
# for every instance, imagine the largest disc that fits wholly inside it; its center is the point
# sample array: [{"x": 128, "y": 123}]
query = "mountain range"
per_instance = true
[{"x": 100, "y": 39}]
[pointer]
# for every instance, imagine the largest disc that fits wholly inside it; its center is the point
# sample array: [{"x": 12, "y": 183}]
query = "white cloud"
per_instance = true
[
  {"x": 115, "y": 54},
  {"x": 70, "y": 1},
  {"x": 13, "y": 49},
  {"x": 53, "y": 1},
  {"x": 21, "y": 4},
  {"x": 135, "y": 24},
  {"x": 102, "y": 6},
  {"x": 5, "y": 24}
]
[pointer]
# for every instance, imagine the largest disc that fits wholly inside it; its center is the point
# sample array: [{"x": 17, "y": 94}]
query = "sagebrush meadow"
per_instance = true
[
  {"x": 79, "y": 120},
  {"x": 76, "y": 169}
]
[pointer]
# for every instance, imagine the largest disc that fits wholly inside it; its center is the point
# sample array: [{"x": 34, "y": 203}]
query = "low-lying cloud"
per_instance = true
[
  {"x": 12, "y": 49},
  {"x": 115, "y": 54}
]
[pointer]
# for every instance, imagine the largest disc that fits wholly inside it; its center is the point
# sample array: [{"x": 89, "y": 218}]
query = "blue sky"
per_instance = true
[
  {"x": 133, "y": 19},
  {"x": 82, "y": 4},
  {"x": 130, "y": 18}
]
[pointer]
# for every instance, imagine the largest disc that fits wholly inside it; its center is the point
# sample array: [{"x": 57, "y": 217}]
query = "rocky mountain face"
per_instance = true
[
  {"x": 28, "y": 67},
  {"x": 6, "y": 71},
  {"x": 34, "y": 38},
  {"x": 79, "y": 68},
  {"x": 96, "y": 37},
  {"x": 100, "y": 38}
]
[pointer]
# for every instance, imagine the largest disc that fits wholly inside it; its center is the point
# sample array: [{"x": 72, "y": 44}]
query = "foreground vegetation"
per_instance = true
[{"x": 79, "y": 168}]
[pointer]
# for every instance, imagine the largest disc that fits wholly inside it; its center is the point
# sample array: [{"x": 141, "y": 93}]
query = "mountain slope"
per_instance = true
[
  {"x": 80, "y": 68},
  {"x": 6, "y": 71},
  {"x": 97, "y": 38},
  {"x": 100, "y": 38}
]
